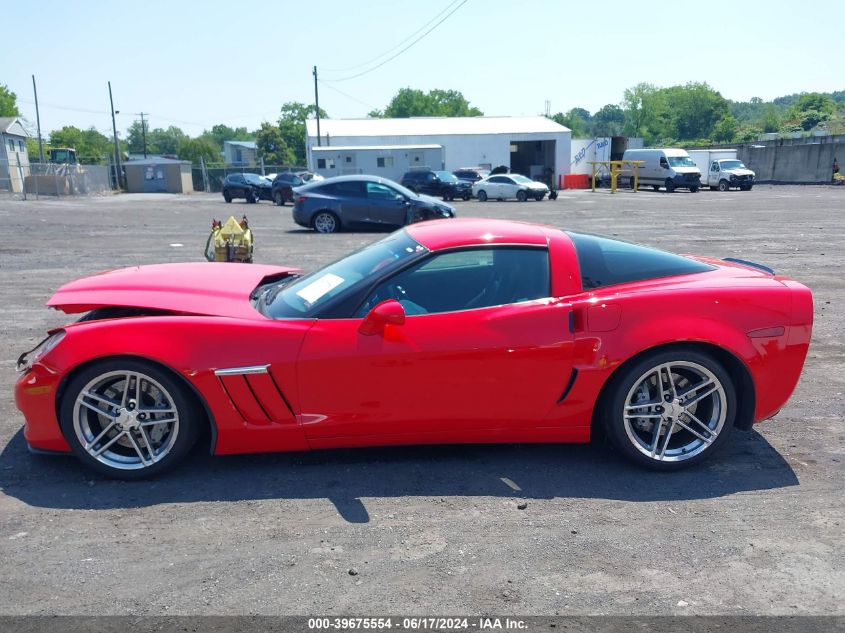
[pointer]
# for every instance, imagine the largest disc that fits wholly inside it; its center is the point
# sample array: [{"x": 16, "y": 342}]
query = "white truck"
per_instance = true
[{"x": 721, "y": 169}]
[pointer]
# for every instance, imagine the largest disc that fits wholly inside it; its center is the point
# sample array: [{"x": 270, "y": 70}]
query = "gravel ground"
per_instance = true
[{"x": 425, "y": 530}]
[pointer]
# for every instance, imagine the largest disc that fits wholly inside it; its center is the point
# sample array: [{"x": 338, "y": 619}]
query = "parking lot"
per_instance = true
[{"x": 423, "y": 530}]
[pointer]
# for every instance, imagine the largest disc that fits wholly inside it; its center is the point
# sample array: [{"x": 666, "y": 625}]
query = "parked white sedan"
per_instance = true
[{"x": 504, "y": 186}]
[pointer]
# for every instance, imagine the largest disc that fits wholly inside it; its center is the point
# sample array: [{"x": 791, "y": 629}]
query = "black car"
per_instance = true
[
  {"x": 437, "y": 183},
  {"x": 251, "y": 187},
  {"x": 347, "y": 202},
  {"x": 472, "y": 174},
  {"x": 283, "y": 185}
]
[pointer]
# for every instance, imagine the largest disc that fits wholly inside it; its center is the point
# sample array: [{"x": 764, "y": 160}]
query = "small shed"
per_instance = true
[
  {"x": 14, "y": 161},
  {"x": 158, "y": 175}
]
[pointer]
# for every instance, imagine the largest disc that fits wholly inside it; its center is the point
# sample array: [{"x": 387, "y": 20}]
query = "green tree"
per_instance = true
[
  {"x": 409, "y": 102},
  {"x": 726, "y": 130},
  {"x": 165, "y": 141},
  {"x": 292, "y": 127},
  {"x": 771, "y": 119},
  {"x": 8, "y": 102},
  {"x": 135, "y": 138},
  {"x": 637, "y": 103},
  {"x": 220, "y": 133},
  {"x": 193, "y": 149},
  {"x": 575, "y": 121},
  {"x": 694, "y": 110},
  {"x": 609, "y": 121},
  {"x": 91, "y": 146},
  {"x": 272, "y": 146}
]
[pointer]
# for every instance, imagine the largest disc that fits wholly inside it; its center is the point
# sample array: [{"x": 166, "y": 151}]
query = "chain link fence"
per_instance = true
[{"x": 21, "y": 181}]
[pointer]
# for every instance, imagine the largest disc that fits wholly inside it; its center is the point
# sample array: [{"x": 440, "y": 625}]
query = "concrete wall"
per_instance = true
[
  {"x": 806, "y": 163},
  {"x": 465, "y": 150}
]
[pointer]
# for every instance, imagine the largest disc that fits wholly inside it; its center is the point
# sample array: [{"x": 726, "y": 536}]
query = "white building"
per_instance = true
[
  {"x": 387, "y": 161},
  {"x": 527, "y": 145},
  {"x": 240, "y": 153}
]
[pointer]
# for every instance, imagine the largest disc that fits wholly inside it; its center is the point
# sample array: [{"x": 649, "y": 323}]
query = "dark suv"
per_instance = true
[
  {"x": 283, "y": 185},
  {"x": 252, "y": 187},
  {"x": 473, "y": 174},
  {"x": 437, "y": 183}
]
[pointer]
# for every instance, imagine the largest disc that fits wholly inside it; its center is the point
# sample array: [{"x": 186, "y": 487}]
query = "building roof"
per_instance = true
[
  {"x": 246, "y": 144},
  {"x": 349, "y": 148},
  {"x": 435, "y": 126},
  {"x": 156, "y": 161},
  {"x": 12, "y": 125}
]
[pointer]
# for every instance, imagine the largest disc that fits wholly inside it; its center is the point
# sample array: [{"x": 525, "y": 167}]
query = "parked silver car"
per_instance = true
[{"x": 347, "y": 202}]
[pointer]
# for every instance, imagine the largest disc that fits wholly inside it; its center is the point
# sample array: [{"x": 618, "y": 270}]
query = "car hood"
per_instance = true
[
  {"x": 206, "y": 288},
  {"x": 537, "y": 185},
  {"x": 739, "y": 172}
]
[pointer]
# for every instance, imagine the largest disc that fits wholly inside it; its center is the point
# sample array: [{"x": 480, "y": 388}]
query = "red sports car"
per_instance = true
[{"x": 443, "y": 332}]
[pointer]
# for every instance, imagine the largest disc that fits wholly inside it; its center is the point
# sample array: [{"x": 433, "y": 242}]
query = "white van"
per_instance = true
[{"x": 670, "y": 168}]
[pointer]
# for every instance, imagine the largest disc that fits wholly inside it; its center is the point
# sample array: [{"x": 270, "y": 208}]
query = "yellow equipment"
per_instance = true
[
  {"x": 617, "y": 167},
  {"x": 229, "y": 242}
]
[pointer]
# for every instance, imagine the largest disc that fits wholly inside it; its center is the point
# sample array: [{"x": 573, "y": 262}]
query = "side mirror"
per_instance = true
[{"x": 388, "y": 312}]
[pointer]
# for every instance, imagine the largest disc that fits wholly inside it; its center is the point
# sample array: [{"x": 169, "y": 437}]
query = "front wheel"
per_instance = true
[
  {"x": 671, "y": 409},
  {"x": 670, "y": 185},
  {"x": 539, "y": 197},
  {"x": 227, "y": 198},
  {"x": 656, "y": 187},
  {"x": 521, "y": 196},
  {"x": 326, "y": 222},
  {"x": 466, "y": 197},
  {"x": 746, "y": 187},
  {"x": 723, "y": 185},
  {"x": 693, "y": 189},
  {"x": 482, "y": 196},
  {"x": 279, "y": 198},
  {"x": 128, "y": 418}
]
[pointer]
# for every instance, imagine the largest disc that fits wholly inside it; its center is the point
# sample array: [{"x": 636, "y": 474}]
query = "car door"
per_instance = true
[
  {"x": 352, "y": 204},
  {"x": 385, "y": 205},
  {"x": 713, "y": 177},
  {"x": 493, "y": 187},
  {"x": 483, "y": 353},
  {"x": 508, "y": 187}
]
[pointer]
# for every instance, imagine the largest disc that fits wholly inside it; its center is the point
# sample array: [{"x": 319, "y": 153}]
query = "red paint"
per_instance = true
[{"x": 488, "y": 375}]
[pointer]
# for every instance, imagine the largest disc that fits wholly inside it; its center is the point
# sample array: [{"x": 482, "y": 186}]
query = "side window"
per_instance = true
[
  {"x": 467, "y": 279},
  {"x": 429, "y": 177},
  {"x": 663, "y": 162},
  {"x": 714, "y": 166},
  {"x": 378, "y": 191},
  {"x": 350, "y": 189}
]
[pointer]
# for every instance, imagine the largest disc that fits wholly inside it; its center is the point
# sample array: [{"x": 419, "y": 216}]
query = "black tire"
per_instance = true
[
  {"x": 227, "y": 198},
  {"x": 693, "y": 189},
  {"x": 521, "y": 196},
  {"x": 718, "y": 408},
  {"x": 482, "y": 196},
  {"x": 467, "y": 196},
  {"x": 724, "y": 186},
  {"x": 539, "y": 197},
  {"x": 325, "y": 222},
  {"x": 279, "y": 198},
  {"x": 656, "y": 187},
  {"x": 447, "y": 196},
  {"x": 670, "y": 185},
  {"x": 120, "y": 460},
  {"x": 746, "y": 187}
]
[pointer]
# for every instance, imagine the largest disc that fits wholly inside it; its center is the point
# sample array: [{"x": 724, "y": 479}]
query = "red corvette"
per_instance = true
[{"x": 443, "y": 332}]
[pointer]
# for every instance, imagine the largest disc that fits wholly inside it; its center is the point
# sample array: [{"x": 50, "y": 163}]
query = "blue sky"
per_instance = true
[{"x": 194, "y": 64}]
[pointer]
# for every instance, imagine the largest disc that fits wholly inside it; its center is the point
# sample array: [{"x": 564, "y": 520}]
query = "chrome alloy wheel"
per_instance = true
[
  {"x": 325, "y": 223},
  {"x": 675, "y": 411},
  {"x": 125, "y": 420}
]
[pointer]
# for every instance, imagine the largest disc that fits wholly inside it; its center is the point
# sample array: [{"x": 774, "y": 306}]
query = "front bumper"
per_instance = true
[
  {"x": 687, "y": 181},
  {"x": 35, "y": 397}
]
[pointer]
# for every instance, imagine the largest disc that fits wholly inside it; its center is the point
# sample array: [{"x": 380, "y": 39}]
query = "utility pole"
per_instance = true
[
  {"x": 116, "y": 146},
  {"x": 38, "y": 122},
  {"x": 144, "y": 133},
  {"x": 317, "y": 103}
]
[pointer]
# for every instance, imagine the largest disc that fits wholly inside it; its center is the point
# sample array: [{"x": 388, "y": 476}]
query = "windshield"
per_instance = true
[
  {"x": 520, "y": 178},
  {"x": 732, "y": 164},
  {"x": 446, "y": 176},
  {"x": 254, "y": 179},
  {"x": 305, "y": 296},
  {"x": 680, "y": 161}
]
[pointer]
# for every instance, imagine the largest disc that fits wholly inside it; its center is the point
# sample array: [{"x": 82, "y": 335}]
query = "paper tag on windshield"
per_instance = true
[{"x": 319, "y": 287}]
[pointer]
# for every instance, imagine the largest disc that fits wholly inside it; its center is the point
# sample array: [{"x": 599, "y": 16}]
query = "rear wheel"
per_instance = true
[
  {"x": 656, "y": 187},
  {"x": 723, "y": 185},
  {"x": 693, "y": 189},
  {"x": 521, "y": 196},
  {"x": 326, "y": 222},
  {"x": 227, "y": 197},
  {"x": 466, "y": 197},
  {"x": 671, "y": 409},
  {"x": 128, "y": 418},
  {"x": 482, "y": 196},
  {"x": 670, "y": 185},
  {"x": 279, "y": 198}
]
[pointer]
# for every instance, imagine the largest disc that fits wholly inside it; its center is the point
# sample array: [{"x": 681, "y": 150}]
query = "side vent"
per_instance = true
[
  {"x": 568, "y": 386},
  {"x": 256, "y": 395}
]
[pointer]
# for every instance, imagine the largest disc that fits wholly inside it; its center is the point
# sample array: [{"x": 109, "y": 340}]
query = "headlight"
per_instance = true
[{"x": 28, "y": 359}]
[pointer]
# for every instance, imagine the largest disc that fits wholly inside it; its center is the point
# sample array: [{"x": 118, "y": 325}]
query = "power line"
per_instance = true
[
  {"x": 348, "y": 96},
  {"x": 392, "y": 57},
  {"x": 390, "y": 50}
]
